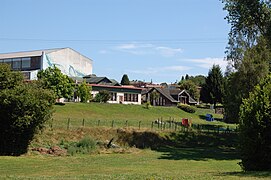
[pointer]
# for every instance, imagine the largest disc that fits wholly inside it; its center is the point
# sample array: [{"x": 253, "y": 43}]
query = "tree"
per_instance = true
[
  {"x": 249, "y": 20},
  {"x": 199, "y": 80},
  {"x": 60, "y": 84},
  {"x": 215, "y": 85},
  {"x": 186, "y": 77},
  {"x": 84, "y": 92},
  {"x": 253, "y": 68},
  {"x": 9, "y": 79},
  {"x": 255, "y": 128},
  {"x": 191, "y": 88},
  {"x": 102, "y": 97},
  {"x": 24, "y": 108},
  {"x": 154, "y": 96},
  {"x": 125, "y": 80}
]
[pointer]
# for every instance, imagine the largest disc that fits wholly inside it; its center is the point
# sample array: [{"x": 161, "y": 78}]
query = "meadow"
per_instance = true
[
  {"x": 94, "y": 114},
  {"x": 189, "y": 155}
]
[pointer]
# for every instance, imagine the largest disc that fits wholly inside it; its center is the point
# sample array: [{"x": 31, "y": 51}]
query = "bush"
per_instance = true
[
  {"x": 255, "y": 128},
  {"x": 24, "y": 108},
  {"x": 187, "y": 108},
  {"x": 23, "y": 111},
  {"x": 147, "y": 105},
  {"x": 84, "y": 146},
  {"x": 102, "y": 96}
]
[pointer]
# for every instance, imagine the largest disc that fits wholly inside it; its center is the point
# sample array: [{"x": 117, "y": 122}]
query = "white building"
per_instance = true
[{"x": 69, "y": 61}]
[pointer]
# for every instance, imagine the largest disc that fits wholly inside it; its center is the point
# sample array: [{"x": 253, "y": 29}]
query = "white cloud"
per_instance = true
[
  {"x": 207, "y": 63},
  {"x": 143, "y": 49},
  {"x": 169, "y": 52},
  {"x": 127, "y": 46}
]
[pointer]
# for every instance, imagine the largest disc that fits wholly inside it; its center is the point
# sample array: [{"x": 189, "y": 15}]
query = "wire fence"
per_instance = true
[{"x": 170, "y": 124}]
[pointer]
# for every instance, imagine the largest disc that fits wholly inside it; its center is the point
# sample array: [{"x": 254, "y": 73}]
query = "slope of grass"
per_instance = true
[{"x": 103, "y": 114}]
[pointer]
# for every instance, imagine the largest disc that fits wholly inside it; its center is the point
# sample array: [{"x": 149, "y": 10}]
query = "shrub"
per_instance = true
[
  {"x": 84, "y": 146},
  {"x": 24, "y": 108},
  {"x": 147, "y": 105},
  {"x": 186, "y": 108},
  {"x": 255, "y": 128},
  {"x": 102, "y": 96}
]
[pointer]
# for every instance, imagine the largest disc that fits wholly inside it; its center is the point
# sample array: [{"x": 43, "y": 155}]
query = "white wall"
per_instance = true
[
  {"x": 69, "y": 62},
  {"x": 94, "y": 93}
]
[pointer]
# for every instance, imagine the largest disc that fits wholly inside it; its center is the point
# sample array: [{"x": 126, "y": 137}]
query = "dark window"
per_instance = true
[
  {"x": 26, "y": 63},
  {"x": 113, "y": 96},
  {"x": 35, "y": 62},
  {"x": 16, "y": 63},
  {"x": 8, "y": 61},
  {"x": 26, "y": 75},
  {"x": 131, "y": 97}
]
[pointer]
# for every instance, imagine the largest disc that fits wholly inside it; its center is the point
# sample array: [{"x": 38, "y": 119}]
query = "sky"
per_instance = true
[{"x": 149, "y": 40}]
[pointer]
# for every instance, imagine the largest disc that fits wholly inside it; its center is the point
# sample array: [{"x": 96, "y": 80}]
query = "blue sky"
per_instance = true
[{"x": 158, "y": 40}]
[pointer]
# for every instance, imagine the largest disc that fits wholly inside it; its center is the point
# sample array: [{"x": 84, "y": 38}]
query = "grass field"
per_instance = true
[
  {"x": 190, "y": 155},
  {"x": 103, "y": 114},
  {"x": 140, "y": 164}
]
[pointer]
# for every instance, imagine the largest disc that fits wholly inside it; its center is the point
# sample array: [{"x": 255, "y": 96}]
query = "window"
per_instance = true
[
  {"x": 17, "y": 63},
  {"x": 26, "y": 75},
  {"x": 113, "y": 96},
  {"x": 35, "y": 62},
  {"x": 131, "y": 97},
  {"x": 8, "y": 61},
  {"x": 26, "y": 62}
]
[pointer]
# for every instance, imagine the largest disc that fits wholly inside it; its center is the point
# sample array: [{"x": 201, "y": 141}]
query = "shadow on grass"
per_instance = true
[
  {"x": 203, "y": 117},
  {"x": 200, "y": 146},
  {"x": 252, "y": 174}
]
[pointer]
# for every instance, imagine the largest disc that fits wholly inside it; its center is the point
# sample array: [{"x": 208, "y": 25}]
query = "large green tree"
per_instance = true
[
  {"x": 214, "y": 85},
  {"x": 255, "y": 128},
  {"x": 52, "y": 78},
  {"x": 249, "y": 20},
  {"x": 24, "y": 108}
]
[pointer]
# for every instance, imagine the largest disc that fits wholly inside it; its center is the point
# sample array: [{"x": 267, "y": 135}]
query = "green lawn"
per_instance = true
[
  {"x": 141, "y": 164},
  {"x": 103, "y": 114}
]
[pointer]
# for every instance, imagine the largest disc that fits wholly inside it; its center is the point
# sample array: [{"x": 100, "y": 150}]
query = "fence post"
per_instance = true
[
  {"x": 139, "y": 123},
  {"x": 68, "y": 126},
  {"x": 98, "y": 122},
  {"x": 83, "y": 123},
  {"x": 151, "y": 125},
  {"x": 158, "y": 124},
  {"x": 113, "y": 123},
  {"x": 51, "y": 125},
  {"x": 126, "y": 123}
]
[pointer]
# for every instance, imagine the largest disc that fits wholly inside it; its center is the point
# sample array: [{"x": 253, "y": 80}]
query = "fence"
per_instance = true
[{"x": 158, "y": 125}]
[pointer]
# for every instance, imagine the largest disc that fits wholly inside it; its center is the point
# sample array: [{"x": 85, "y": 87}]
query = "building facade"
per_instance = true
[
  {"x": 69, "y": 61},
  {"x": 119, "y": 94}
]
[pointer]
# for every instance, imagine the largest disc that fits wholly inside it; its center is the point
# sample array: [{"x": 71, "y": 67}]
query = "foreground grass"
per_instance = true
[
  {"x": 143, "y": 164},
  {"x": 95, "y": 114},
  {"x": 190, "y": 155}
]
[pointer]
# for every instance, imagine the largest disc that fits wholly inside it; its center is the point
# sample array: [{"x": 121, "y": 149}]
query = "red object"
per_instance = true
[{"x": 185, "y": 122}]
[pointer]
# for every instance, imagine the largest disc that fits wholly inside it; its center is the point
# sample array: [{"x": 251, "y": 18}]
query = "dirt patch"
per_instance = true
[{"x": 55, "y": 151}]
